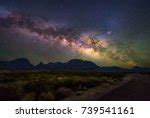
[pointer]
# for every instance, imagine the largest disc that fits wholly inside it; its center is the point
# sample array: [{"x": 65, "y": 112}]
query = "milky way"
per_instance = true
[{"x": 44, "y": 40}]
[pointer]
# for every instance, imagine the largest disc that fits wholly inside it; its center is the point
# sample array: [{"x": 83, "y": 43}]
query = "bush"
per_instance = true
[
  {"x": 11, "y": 93},
  {"x": 46, "y": 96},
  {"x": 29, "y": 97},
  {"x": 63, "y": 93}
]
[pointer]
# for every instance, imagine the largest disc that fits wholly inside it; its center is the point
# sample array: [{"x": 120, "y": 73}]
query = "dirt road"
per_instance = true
[{"x": 138, "y": 89}]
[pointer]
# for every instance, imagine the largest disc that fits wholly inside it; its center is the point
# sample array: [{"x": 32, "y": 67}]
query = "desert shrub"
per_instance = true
[
  {"x": 29, "y": 97},
  {"x": 106, "y": 85},
  {"x": 37, "y": 87},
  {"x": 46, "y": 96},
  {"x": 75, "y": 83},
  {"x": 63, "y": 92},
  {"x": 11, "y": 93},
  {"x": 91, "y": 83}
]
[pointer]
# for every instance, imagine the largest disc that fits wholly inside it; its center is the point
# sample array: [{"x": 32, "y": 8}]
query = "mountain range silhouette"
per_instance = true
[{"x": 72, "y": 65}]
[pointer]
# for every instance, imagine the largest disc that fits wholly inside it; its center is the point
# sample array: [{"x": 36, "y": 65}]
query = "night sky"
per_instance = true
[{"x": 107, "y": 32}]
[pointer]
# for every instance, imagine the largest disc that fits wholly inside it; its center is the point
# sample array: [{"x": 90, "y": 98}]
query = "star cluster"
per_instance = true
[{"x": 42, "y": 39}]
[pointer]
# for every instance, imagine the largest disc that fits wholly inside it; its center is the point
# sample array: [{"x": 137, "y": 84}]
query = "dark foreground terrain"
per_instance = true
[
  {"x": 49, "y": 86},
  {"x": 138, "y": 88}
]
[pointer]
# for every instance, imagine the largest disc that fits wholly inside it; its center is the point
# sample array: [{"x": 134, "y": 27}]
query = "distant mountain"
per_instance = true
[
  {"x": 72, "y": 65},
  {"x": 113, "y": 68},
  {"x": 20, "y": 63},
  {"x": 138, "y": 69},
  {"x": 78, "y": 64}
]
